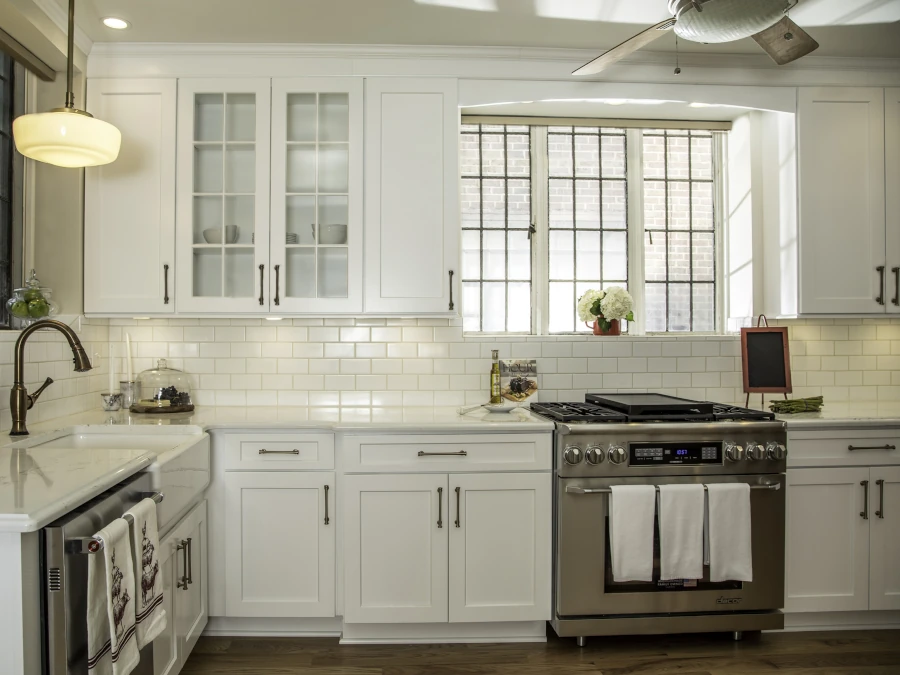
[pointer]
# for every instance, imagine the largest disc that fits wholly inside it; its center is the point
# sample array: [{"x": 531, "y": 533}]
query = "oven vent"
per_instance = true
[{"x": 54, "y": 580}]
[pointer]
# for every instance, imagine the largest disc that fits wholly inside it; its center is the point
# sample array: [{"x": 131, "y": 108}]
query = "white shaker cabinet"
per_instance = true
[
  {"x": 317, "y": 187},
  {"x": 412, "y": 196},
  {"x": 841, "y": 155},
  {"x": 279, "y": 545},
  {"x": 129, "y": 206},
  {"x": 165, "y": 646},
  {"x": 395, "y": 548},
  {"x": 884, "y": 516},
  {"x": 222, "y": 195},
  {"x": 892, "y": 203},
  {"x": 500, "y": 557}
]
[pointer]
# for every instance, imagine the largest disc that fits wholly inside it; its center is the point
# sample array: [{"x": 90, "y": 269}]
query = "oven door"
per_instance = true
[{"x": 584, "y": 584}]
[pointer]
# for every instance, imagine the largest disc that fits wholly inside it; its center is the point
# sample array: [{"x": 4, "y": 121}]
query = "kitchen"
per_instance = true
[{"x": 325, "y": 224}]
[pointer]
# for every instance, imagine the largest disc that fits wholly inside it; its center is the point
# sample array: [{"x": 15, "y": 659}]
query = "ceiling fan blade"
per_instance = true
[
  {"x": 631, "y": 45},
  {"x": 783, "y": 50}
]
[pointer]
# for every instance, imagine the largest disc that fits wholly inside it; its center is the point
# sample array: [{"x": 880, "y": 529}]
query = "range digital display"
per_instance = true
[{"x": 656, "y": 454}]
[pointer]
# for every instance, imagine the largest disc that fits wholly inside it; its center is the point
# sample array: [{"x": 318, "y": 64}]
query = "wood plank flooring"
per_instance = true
[{"x": 827, "y": 653}]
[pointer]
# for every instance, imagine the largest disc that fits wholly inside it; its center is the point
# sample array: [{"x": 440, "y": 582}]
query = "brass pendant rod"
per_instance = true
[{"x": 70, "y": 94}]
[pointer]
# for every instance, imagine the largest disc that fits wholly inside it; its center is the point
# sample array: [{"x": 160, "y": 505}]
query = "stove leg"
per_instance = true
[
  {"x": 581, "y": 641},
  {"x": 737, "y": 635}
]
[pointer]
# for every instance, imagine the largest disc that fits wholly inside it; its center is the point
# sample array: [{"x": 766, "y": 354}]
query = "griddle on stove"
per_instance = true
[{"x": 645, "y": 407}]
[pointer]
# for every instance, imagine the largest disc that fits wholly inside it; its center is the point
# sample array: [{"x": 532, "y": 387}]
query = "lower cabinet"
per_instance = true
[
  {"x": 183, "y": 566},
  {"x": 447, "y": 547},
  {"x": 843, "y": 548},
  {"x": 279, "y": 547}
]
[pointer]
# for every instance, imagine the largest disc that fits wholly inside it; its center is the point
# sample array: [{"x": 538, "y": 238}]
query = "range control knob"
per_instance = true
[
  {"x": 573, "y": 454},
  {"x": 755, "y": 451},
  {"x": 616, "y": 454},
  {"x": 594, "y": 455},
  {"x": 733, "y": 452},
  {"x": 776, "y": 451}
]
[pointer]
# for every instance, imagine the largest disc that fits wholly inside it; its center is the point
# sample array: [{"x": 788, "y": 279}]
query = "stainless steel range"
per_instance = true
[{"x": 652, "y": 439}]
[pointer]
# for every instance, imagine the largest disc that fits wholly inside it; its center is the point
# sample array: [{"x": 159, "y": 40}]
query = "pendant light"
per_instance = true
[{"x": 67, "y": 136}]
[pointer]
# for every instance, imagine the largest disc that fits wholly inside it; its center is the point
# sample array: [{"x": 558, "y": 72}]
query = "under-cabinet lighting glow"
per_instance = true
[
  {"x": 116, "y": 23},
  {"x": 273, "y": 318}
]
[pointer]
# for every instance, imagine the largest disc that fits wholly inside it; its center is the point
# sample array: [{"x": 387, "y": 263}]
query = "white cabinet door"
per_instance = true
[
  {"x": 892, "y": 203},
  {"x": 842, "y": 200},
  {"x": 827, "y": 542},
  {"x": 317, "y": 192},
  {"x": 129, "y": 205},
  {"x": 500, "y": 547},
  {"x": 884, "y": 515},
  {"x": 412, "y": 196},
  {"x": 165, "y": 646},
  {"x": 395, "y": 548},
  {"x": 222, "y": 195},
  {"x": 191, "y": 609},
  {"x": 279, "y": 544}
]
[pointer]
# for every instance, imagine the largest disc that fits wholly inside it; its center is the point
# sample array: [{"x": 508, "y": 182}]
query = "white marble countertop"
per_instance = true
[{"x": 847, "y": 415}]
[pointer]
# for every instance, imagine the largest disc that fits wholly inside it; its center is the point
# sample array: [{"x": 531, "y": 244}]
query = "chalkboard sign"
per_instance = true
[{"x": 766, "y": 360}]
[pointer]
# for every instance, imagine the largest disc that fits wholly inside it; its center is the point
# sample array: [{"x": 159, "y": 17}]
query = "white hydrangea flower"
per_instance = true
[
  {"x": 616, "y": 304},
  {"x": 586, "y": 301}
]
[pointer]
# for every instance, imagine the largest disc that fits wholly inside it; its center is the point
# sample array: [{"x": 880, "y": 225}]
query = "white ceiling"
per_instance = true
[
  {"x": 842, "y": 27},
  {"x": 644, "y": 109}
]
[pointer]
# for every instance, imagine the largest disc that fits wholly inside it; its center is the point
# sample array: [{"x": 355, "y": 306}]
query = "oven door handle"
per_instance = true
[{"x": 578, "y": 490}]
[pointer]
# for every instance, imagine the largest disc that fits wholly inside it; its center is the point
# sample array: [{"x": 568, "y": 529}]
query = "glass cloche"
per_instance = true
[
  {"x": 30, "y": 303},
  {"x": 163, "y": 387}
]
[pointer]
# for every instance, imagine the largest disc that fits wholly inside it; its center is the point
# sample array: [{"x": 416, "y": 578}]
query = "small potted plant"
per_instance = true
[{"x": 606, "y": 309}]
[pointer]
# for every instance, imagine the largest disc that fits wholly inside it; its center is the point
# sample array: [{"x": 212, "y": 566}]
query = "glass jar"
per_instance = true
[
  {"x": 31, "y": 303},
  {"x": 164, "y": 387}
]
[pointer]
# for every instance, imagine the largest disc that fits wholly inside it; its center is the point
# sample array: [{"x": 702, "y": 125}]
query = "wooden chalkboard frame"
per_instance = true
[{"x": 788, "y": 388}]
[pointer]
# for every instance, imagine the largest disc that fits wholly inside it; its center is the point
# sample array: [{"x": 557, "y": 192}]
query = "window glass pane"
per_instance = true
[
  {"x": 587, "y": 204},
  {"x": 704, "y": 307},
  {"x": 562, "y": 299},
  {"x": 587, "y": 156},
  {"x": 612, "y": 155},
  {"x": 615, "y": 205},
  {"x": 562, "y": 255},
  {"x": 615, "y": 256},
  {"x": 655, "y": 311},
  {"x": 496, "y": 215},
  {"x": 561, "y": 203},
  {"x": 559, "y": 147}
]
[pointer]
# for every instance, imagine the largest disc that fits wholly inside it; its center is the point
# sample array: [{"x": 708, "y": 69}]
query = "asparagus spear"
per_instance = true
[{"x": 797, "y": 405}]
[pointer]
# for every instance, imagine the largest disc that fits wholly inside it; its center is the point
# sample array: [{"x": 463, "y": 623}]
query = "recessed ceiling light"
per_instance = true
[{"x": 115, "y": 22}]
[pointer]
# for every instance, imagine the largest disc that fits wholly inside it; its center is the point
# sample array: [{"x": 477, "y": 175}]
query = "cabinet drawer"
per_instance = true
[
  {"x": 833, "y": 448},
  {"x": 289, "y": 452},
  {"x": 447, "y": 453}
]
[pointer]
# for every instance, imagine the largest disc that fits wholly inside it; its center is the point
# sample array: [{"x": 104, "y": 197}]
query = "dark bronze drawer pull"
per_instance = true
[
  {"x": 865, "y": 512},
  {"x": 166, "y": 284},
  {"x": 277, "y": 284},
  {"x": 451, "y": 290},
  {"x": 880, "y": 298},
  {"x": 460, "y": 453},
  {"x": 327, "y": 519},
  {"x": 263, "y": 451},
  {"x": 851, "y": 448},
  {"x": 880, "y": 511},
  {"x": 261, "y": 279},
  {"x": 440, "y": 508}
]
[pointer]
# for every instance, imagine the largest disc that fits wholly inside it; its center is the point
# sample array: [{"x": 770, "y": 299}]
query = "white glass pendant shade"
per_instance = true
[
  {"x": 66, "y": 137},
  {"x": 725, "y": 20}
]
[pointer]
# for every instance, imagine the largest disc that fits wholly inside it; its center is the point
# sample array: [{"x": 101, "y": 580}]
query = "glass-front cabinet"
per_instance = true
[
  {"x": 222, "y": 214},
  {"x": 316, "y": 201}
]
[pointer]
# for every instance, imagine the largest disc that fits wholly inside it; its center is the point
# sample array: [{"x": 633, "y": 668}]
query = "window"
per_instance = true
[
  {"x": 549, "y": 212},
  {"x": 10, "y": 184}
]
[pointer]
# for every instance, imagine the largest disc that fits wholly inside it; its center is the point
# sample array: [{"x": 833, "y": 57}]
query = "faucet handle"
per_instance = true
[{"x": 34, "y": 397}]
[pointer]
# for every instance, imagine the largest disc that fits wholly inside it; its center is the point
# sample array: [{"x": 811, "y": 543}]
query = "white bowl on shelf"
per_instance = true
[
  {"x": 332, "y": 234},
  {"x": 213, "y": 235}
]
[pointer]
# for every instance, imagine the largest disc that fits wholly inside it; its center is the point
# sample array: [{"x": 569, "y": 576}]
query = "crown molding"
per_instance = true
[{"x": 60, "y": 18}]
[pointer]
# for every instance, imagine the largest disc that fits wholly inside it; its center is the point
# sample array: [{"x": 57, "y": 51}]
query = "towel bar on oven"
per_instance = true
[
  {"x": 92, "y": 544},
  {"x": 590, "y": 491}
]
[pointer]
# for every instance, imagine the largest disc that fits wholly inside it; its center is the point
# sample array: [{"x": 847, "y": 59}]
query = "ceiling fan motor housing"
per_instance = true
[{"x": 725, "y": 20}]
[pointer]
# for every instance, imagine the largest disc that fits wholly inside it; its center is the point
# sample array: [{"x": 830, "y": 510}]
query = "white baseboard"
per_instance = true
[
  {"x": 444, "y": 633},
  {"x": 220, "y": 626},
  {"x": 809, "y": 621}
]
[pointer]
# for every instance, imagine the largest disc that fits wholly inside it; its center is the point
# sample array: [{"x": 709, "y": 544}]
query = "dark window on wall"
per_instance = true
[
  {"x": 9, "y": 184},
  {"x": 679, "y": 230},
  {"x": 495, "y": 163}
]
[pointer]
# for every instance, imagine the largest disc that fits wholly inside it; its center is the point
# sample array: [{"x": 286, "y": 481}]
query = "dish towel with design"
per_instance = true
[
  {"x": 149, "y": 613},
  {"x": 681, "y": 531},
  {"x": 730, "y": 548},
  {"x": 632, "y": 510},
  {"x": 112, "y": 647}
]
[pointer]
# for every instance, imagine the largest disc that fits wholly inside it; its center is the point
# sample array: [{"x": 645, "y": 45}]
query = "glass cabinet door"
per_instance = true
[
  {"x": 316, "y": 235},
  {"x": 223, "y": 210}
]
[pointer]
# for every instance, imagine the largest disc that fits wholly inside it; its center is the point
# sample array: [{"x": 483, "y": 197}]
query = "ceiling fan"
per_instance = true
[{"x": 766, "y": 21}]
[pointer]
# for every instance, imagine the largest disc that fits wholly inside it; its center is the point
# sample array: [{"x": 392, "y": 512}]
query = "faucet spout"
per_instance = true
[{"x": 19, "y": 401}]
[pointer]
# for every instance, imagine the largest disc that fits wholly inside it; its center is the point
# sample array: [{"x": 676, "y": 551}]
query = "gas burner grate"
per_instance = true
[
  {"x": 733, "y": 412},
  {"x": 577, "y": 412}
]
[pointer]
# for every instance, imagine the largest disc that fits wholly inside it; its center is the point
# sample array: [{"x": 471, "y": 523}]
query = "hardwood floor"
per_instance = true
[{"x": 831, "y": 653}]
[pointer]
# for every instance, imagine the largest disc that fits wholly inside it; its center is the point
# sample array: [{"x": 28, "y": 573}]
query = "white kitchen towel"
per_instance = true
[
  {"x": 730, "y": 549},
  {"x": 112, "y": 647},
  {"x": 631, "y": 516},
  {"x": 150, "y": 616},
  {"x": 680, "y": 531}
]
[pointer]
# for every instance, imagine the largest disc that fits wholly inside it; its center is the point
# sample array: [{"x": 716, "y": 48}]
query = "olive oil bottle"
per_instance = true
[{"x": 495, "y": 378}]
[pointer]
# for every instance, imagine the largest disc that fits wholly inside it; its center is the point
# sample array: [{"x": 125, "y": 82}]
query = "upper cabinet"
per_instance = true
[
  {"x": 892, "y": 203},
  {"x": 129, "y": 209},
  {"x": 223, "y": 195},
  {"x": 317, "y": 178},
  {"x": 841, "y": 155},
  {"x": 412, "y": 196}
]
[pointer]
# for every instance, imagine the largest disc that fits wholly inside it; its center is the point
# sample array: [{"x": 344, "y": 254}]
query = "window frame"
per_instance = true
[{"x": 12, "y": 243}]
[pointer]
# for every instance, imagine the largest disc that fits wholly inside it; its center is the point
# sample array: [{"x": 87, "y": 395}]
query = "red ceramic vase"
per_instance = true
[{"x": 614, "y": 328}]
